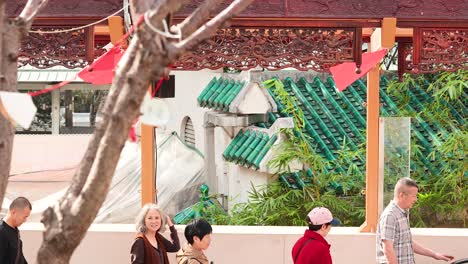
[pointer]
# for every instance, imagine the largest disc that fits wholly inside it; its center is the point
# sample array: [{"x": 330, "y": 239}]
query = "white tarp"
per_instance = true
[{"x": 179, "y": 175}]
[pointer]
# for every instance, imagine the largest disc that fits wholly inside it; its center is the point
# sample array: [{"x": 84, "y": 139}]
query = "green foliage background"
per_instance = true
[{"x": 443, "y": 199}]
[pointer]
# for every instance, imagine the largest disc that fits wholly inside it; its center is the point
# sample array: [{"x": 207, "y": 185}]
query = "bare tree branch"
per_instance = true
[
  {"x": 31, "y": 9},
  {"x": 82, "y": 172},
  {"x": 164, "y": 8},
  {"x": 198, "y": 17},
  {"x": 138, "y": 7},
  {"x": 159, "y": 9},
  {"x": 68, "y": 220},
  {"x": 211, "y": 26}
]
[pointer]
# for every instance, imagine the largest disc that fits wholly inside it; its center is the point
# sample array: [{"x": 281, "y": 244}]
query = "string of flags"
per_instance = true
[{"x": 19, "y": 108}]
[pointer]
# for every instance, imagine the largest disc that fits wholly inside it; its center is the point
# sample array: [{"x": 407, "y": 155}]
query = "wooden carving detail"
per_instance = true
[
  {"x": 99, "y": 49},
  {"x": 272, "y": 49},
  {"x": 438, "y": 49},
  {"x": 48, "y": 50},
  {"x": 405, "y": 62}
]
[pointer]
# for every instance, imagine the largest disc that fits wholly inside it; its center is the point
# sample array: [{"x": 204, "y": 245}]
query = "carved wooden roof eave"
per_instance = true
[
  {"x": 302, "y": 48},
  {"x": 296, "y": 22},
  {"x": 323, "y": 20}
]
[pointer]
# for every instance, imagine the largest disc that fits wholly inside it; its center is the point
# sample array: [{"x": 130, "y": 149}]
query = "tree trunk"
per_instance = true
[
  {"x": 67, "y": 221},
  {"x": 9, "y": 46},
  {"x": 11, "y": 32}
]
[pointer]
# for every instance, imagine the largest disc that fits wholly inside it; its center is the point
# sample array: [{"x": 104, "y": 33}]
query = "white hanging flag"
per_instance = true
[
  {"x": 155, "y": 111},
  {"x": 18, "y": 108}
]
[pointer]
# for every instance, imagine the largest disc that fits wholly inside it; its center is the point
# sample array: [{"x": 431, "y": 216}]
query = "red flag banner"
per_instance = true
[
  {"x": 345, "y": 74},
  {"x": 101, "y": 71}
]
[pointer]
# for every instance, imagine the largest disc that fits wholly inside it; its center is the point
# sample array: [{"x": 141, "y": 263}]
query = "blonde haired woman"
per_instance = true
[{"x": 150, "y": 247}]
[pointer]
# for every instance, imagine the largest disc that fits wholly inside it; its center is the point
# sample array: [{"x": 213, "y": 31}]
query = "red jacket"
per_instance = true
[{"x": 316, "y": 251}]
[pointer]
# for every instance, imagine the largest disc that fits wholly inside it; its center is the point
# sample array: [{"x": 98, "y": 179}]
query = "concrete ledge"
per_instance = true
[{"x": 249, "y": 244}]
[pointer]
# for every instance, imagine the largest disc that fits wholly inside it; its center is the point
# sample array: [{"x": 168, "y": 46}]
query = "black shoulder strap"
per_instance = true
[{"x": 303, "y": 245}]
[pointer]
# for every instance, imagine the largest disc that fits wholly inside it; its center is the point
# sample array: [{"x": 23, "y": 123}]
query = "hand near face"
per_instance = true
[{"x": 169, "y": 221}]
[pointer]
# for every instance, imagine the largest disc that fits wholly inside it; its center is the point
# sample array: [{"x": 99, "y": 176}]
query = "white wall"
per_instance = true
[
  {"x": 47, "y": 152},
  {"x": 249, "y": 244},
  {"x": 241, "y": 182},
  {"x": 232, "y": 180},
  {"x": 223, "y": 169},
  {"x": 188, "y": 85}
]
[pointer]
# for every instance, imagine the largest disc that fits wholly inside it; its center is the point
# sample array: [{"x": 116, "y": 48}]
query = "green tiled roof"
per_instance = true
[
  {"x": 249, "y": 147},
  {"x": 332, "y": 117},
  {"x": 220, "y": 93}
]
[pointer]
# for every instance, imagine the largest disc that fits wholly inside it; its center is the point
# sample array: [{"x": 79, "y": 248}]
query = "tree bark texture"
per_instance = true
[
  {"x": 67, "y": 222},
  {"x": 11, "y": 32},
  {"x": 147, "y": 58}
]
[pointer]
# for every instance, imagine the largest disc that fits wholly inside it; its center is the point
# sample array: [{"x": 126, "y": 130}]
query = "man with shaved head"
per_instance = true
[
  {"x": 395, "y": 244},
  {"x": 11, "y": 246}
]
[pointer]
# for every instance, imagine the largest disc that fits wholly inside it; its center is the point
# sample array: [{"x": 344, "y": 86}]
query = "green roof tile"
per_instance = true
[
  {"x": 210, "y": 88},
  {"x": 220, "y": 93},
  {"x": 237, "y": 144},
  {"x": 264, "y": 151},
  {"x": 329, "y": 113},
  {"x": 223, "y": 97},
  {"x": 232, "y": 144},
  {"x": 248, "y": 147},
  {"x": 243, "y": 148},
  {"x": 214, "y": 98},
  {"x": 231, "y": 95},
  {"x": 256, "y": 151},
  {"x": 332, "y": 116}
]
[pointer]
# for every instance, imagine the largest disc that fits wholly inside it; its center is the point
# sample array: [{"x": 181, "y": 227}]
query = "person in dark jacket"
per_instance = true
[
  {"x": 198, "y": 235},
  {"x": 312, "y": 248},
  {"x": 11, "y": 246},
  {"x": 150, "y": 247}
]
